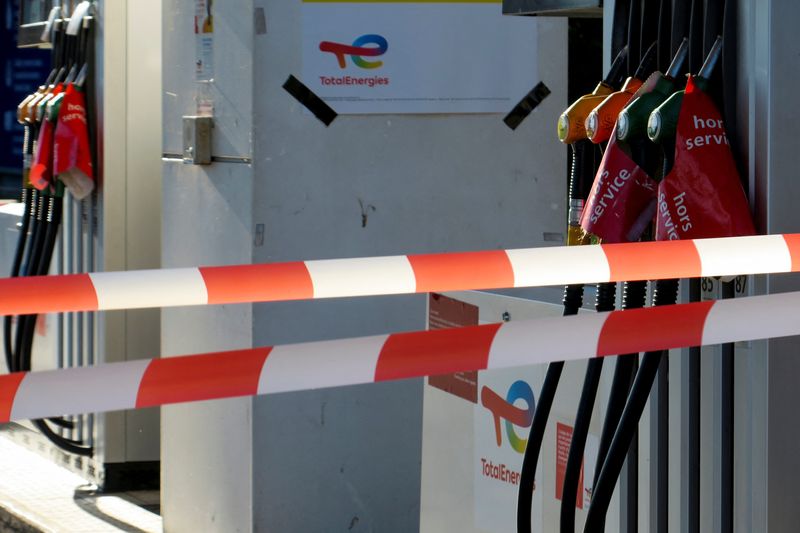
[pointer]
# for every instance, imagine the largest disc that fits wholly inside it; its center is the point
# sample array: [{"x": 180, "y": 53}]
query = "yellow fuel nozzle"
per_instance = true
[
  {"x": 22, "y": 108},
  {"x": 571, "y": 123}
]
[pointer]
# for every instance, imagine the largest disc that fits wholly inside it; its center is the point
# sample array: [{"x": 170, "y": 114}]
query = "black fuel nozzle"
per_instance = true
[
  {"x": 663, "y": 122},
  {"x": 632, "y": 121},
  {"x": 648, "y": 63},
  {"x": 571, "y": 123},
  {"x": 616, "y": 72}
]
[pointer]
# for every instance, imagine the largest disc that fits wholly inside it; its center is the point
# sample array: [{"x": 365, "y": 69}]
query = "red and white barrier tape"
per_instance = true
[
  {"x": 336, "y": 363},
  {"x": 301, "y": 280}
]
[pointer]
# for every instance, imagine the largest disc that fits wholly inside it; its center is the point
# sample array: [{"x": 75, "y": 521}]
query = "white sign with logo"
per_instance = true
[
  {"x": 506, "y": 402},
  {"x": 420, "y": 57}
]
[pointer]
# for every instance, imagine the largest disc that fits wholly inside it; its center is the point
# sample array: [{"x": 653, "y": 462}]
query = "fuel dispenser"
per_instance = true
[
  {"x": 570, "y": 131},
  {"x": 56, "y": 148},
  {"x": 629, "y": 136},
  {"x": 78, "y": 218}
]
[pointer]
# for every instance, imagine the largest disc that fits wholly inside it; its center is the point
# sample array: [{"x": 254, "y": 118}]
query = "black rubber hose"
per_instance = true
[
  {"x": 25, "y": 223},
  {"x": 50, "y": 214},
  {"x": 666, "y": 293},
  {"x": 696, "y": 31},
  {"x": 34, "y": 249},
  {"x": 580, "y": 431},
  {"x": 606, "y": 298},
  {"x": 633, "y": 297},
  {"x": 579, "y": 185},
  {"x": 26, "y": 324},
  {"x": 634, "y": 36},
  {"x": 580, "y": 182},
  {"x": 648, "y": 31},
  {"x": 67, "y": 445},
  {"x": 36, "y": 221},
  {"x": 55, "y": 211},
  {"x": 40, "y": 265},
  {"x": 619, "y": 30},
  {"x": 730, "y": 73},
  {"x": 27, "y": 199},
  {"x": 634, "y": 293},
  {"x": 664, "y": 35},
  {"x": 681, "y": 11},
  {"x": 573, "y": 300},
  {"x": 727, "y": 367}
]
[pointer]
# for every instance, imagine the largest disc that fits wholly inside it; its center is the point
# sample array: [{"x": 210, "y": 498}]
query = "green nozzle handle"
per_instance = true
[
  {"x": 633, "y": 120},
  {"x": 663, "y": 122}
]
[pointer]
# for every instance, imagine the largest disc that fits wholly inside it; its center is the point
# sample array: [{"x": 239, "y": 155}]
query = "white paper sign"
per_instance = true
[
  {"x": 420, "y": 57},
  {"x": 203, "y": 40},
  {"x": 506, "y": 401}
]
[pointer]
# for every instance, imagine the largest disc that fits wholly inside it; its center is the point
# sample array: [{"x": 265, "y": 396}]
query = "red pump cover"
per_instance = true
[
  {"x": 622, "y": 201},
  {"x": 73, "y": 158},
  {"x": 702, "y": 196},
  {"x": 41, "y": 174}
]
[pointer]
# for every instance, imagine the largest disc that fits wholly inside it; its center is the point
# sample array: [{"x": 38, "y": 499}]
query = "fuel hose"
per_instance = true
[
  {"x": 580, "y": 180},
  {"x": 26, "y": 198},
  {"x": 44, "y": 215},
  {"x": 633, "y": 296},
  {"x": 664, "y": 294},
  {"x": 606, "y": 297},
  {"x": 571, "y": 130},
  {"x": 642, "y": 27}
]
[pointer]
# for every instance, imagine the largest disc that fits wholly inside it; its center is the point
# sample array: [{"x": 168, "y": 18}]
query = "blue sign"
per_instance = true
[{"x": 21, "y": 73}]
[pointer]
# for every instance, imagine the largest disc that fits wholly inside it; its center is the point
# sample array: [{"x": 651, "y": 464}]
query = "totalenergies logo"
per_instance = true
[
  {"x": 512, "y": 415},
  {"x": 358, "y": 50}
]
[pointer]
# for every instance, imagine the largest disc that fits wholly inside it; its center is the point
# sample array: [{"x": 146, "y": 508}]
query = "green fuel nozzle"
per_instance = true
[
  {"x": 663, "y": 122},
  {"x": 632, "y": 121}
]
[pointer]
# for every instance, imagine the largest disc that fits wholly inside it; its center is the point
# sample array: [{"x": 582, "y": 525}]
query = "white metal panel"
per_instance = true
[
  {"x": 378, "y": 185},
  {"x": 206, "y": 448},
  {"x": 231, "y": 90},
  {"x": 448, "y": 503}
]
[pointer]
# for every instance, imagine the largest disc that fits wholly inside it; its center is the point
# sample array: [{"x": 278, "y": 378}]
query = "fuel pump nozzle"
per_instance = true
[
  {"x": 571, "y": 130},
  {"x": 600, "y": 122},
  {"x": 632, "y": 121},
  {"x": 571, "y": 126},
  {"x": 663, "y": 122}
]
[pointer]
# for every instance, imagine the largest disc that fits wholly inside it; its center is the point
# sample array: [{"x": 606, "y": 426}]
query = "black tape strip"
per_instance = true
[
  {"x": 526, "y": 105},
  {"x": 313, "y": 103}
]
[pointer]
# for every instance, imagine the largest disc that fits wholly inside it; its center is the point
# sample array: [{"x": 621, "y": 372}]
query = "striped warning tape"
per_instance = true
[
  {"x": 529, "y": 267},
  {"x": 147, "y": 383}
]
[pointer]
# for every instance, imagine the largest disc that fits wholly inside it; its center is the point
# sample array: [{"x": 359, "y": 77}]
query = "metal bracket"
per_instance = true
[{"x": 197, "y": 139}]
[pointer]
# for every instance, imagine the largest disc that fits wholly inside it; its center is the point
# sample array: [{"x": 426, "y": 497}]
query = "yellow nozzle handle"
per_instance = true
[{"x": 571, "y": 123}]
